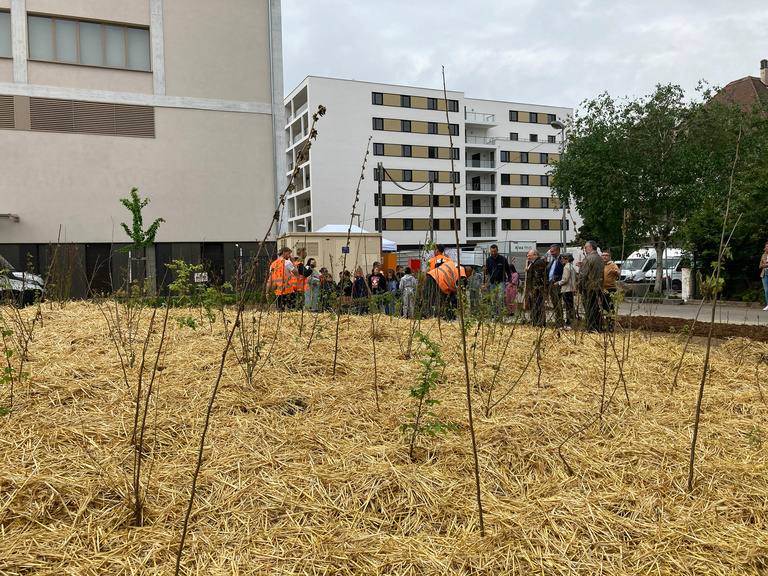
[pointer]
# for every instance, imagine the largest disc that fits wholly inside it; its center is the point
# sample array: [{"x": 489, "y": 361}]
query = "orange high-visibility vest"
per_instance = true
[
  {"x": 435, "y": 261},
  {"x": 299, "y": 283},
  {"x": 280, "y": 280},
  {"x": 446, "y": 276}
]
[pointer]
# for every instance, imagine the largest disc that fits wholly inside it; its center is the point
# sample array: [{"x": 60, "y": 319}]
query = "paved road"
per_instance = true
[{"x": 726, "y": 312}]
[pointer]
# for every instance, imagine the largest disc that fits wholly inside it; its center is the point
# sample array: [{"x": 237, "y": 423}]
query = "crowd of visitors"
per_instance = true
[{"x": 492, "y": 289}]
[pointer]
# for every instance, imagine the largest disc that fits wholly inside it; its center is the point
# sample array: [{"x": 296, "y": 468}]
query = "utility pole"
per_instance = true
[
  {"x": 380, "y": 174},
  {"x": 431, "y": 212}
]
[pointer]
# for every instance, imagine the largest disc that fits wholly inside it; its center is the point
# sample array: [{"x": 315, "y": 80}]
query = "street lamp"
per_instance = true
[{"x": 557, "y": 125}]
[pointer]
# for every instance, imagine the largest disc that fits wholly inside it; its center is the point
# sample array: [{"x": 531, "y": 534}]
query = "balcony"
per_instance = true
[
  {"x": 298, "y": 112},
  {"x": 481, "y": 210},
  {"x": 480, "y": 119},
  {"x": 299, "y": 137},
  {"x": 481, "y": 164},
  {"x": 300, "y": 212},
  {"x": 476, "y": 230},
  {"x": 481, "y": 187},
  {"x": 480, "y": 141}
]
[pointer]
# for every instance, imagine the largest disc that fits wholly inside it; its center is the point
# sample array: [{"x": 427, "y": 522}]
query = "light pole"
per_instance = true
[{"x": 557, "y": 125}]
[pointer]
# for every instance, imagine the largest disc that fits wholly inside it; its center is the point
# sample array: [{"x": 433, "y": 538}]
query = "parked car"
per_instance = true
[
  {"x": 22, "y": 287},
  {"x": 673, "y": 269}
]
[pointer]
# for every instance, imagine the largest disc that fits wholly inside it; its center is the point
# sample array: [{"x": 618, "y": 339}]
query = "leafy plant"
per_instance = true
[
  {"x": 141, "y": 238},
  {"x": 431, "y": 375}
]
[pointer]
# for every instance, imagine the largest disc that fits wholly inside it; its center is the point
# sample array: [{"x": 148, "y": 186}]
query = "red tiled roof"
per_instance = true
[{"x": 748, "y": 91}]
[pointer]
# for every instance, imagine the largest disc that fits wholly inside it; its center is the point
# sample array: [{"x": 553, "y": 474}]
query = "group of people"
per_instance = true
[
  {"x": 559, "y": 280},
  {"x": 297, "y": 283}
]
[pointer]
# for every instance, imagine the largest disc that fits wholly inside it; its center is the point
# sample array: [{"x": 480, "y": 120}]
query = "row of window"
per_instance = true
[
  {"x": 524, "y": 180},
  {"x": 525, "y": 224},
  {"x": 532, "y": 117},
  {"x": 408, "y": 151},
  {"x": 417, "y": 224},
  {"x": 417, "y": 127},
  {"x": 527, "y": 157},
  {"x": 81, "y": 42},
  {"x": 533, "y": 202},
  {"x": 420, "y": 102},
  {"x": 416, "y": 200},
  {"x": 551, "y": 139},
  {"x": 436, "y": 176}
]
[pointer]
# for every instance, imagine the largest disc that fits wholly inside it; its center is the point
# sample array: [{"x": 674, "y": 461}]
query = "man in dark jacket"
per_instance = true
[
  {"x": 536, "y": 286},
  {"x": 591, "y": 276},
  {"x": 554, "y": 275},
  {"x": 497, "y": 273}
]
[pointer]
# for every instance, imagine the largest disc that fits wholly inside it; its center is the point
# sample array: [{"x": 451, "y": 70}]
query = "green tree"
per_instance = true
[
  {"x": 628, "y": 169},
  {"x": 141, "y": 238}
]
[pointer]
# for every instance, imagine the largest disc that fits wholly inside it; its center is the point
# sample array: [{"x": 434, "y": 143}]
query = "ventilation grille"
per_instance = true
[
  {"x": 78, "y": 117},
  {"x": 6, "y": 112}
]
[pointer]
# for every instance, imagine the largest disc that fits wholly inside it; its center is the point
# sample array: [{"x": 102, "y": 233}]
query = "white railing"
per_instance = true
[
  {"x": 480, "y": 140},
  {"x": 481, "y": 187},
  {"x": 484, "y": 232},
  {"x": 481, "y": 210}
]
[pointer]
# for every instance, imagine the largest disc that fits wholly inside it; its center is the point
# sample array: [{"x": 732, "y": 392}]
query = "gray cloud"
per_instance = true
[{"x": 556, "y": 52}]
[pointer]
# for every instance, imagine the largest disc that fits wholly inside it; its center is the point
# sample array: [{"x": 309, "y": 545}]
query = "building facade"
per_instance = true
[
  {"x": 179, "y": 98},
  {"x": 498, "y": 154}
]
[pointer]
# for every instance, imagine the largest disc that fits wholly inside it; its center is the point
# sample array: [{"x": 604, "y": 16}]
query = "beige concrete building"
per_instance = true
[{"x": 182, "y": 99}]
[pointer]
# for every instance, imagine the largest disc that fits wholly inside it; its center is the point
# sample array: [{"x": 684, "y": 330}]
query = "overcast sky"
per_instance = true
[{"x": 554, "y": 52}]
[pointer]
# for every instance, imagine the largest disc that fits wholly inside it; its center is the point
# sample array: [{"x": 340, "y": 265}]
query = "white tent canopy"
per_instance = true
[{"x": 386, "y": 245}]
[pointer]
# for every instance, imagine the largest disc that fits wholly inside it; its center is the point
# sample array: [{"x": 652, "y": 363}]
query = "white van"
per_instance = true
[
  {"x": 640, "y": 266},
  {"x": 672, "y": 275}
]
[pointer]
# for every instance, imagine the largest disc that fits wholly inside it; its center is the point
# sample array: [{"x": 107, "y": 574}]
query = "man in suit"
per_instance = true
[
  {"x": 536, "y": 286},
  {"x": 554, "y": 275}
]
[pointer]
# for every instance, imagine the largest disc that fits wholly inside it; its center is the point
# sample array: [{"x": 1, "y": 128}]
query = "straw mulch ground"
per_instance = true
[{"x": 302, "y": 475}]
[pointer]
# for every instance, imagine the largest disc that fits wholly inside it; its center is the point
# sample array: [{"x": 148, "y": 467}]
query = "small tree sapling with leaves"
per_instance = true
[{"x": 141, "y": 239}]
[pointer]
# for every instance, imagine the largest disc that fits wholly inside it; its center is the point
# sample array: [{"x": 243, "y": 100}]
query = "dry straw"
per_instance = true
[{"x": 303, "y": 476}]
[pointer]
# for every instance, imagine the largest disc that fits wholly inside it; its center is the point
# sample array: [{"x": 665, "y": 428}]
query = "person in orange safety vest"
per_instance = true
[{"x": 280, "y": 278}]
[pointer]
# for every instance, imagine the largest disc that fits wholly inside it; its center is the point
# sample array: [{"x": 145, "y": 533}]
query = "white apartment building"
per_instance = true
[
  {"x": 498, "y": 154},
  {"x": 182, "y": 99}
]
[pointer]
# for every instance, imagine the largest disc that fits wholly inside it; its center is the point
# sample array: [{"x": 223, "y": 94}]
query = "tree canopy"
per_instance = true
[{"x": 657, "y": 169}]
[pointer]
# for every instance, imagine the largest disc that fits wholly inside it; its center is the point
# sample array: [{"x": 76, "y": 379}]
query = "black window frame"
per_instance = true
[
  {"x": 513, "y": 116},
  {"x": 408, "y": 224},
  {"x": 407, "y": 175},
  {"x": 505, "y": 180},
  {"x": 433, "y": 152},
  {"x": 453, "y": 129},
  {"x": 524, "y": 157},
  {"x": 533, "y": 137},
  {"x": 378, "y": 122},
  {"x": 453, "y": 105},
  {"x": 456, "y": 153},
  {"x": 544, "y": 202},
  {"x": 543, "y": 158},
  {"x": 525, "y": 224},
  {"x": 378, "y": 149},
  {"x": 514, "y": 136},
  {"x": 524, "y": 202},
  {"x": 405, "y": 101},
  {"x": 431, "y": 127},
  {"x": 406, "y": 150},
  {"x": 434, "y": 176},
  {"x": 405, "y": 125},
  {"x": 504, "y": 156},
  {"x": 377, "y": 98},
  {"x": 524, "y": 180},
  {"x": 551, "y": 139},
  {"x": 506, "y": 224},
  {"x": 544, "y": 224},
  {"x": 431, "y": 103},
  {"x": 533, "y": 117},
  {"x": 551, "y": 118}
]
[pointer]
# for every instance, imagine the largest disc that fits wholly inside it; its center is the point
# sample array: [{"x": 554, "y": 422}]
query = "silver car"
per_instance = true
[{"x": 22, "y": 287}]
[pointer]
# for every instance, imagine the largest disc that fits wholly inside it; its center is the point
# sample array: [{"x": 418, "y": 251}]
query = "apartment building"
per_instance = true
[
  {"x": 179, "y": 98},
  {"x": 498, "y": 155}
]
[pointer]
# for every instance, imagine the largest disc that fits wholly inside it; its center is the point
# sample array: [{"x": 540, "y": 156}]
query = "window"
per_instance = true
[
  {"x": 524, "y": 157},
  {"x": 432, "y": 152},
  {"x": 376, "y": 174},
  {"x": 456, "y": 178},
  {"x": 5, "y": 35},
  {"x": 378, "y": 123},
  {"x": 525, "y": 225},
  {"x": 513, "y": 117},
  {"x": 544, "y": 158},
  {"x": 545, "y": 224},
  {"x": 383, "y": 224},
  {"x": 431, "y": 103},
  {"x": 566, "y": 224},
  {"x": 407, "y": 199},
  {"x": 376, "y": 199},
  {"x": 377, "y": 98},
  {"x": 405, "y": 125},
  {"x": 506, "y": 224},
  {"x": 434, "y": 176},
  {"x": 533, "y": 117},
  {"x": 453, "y": 105},
  {"x": 513, "y": 136},
  {"x": 455, "y": 224},
  {"x": 453, "y": 129},
  {"x": 406, "y": 151},
  {"x": 505, "y": 179},
  {"x": 504, "y": 156},
  {"x": 534, "y": 138},
  {"x": 545, "y": 182},
  {"x": 407, "y": 176},
  {"x": 378, "y": 149},
  {"x": 456, "y": 154},
  {"x": 524, "y": 181},
  {"x": 432, "y": 127},
  {"x": 523, "y": 202},
  {"x": 405, "y": 101},
  {"x": 407, "y": 223},
  {"x": 506, "y": 201},
  {"x": 89, "y": 43},
  {"x": 551, "y": 139},
  {"x": 551, "y": 118}
]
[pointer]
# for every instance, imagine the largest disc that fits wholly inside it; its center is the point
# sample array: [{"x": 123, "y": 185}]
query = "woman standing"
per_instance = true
[
  {"x": 513, "y": 283},
  {"x": 567, "y": 290},
  {"x": 392, "y": 289},
  {"x": 312, "y": 293}
]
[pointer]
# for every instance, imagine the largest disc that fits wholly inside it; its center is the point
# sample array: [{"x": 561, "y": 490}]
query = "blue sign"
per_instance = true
[{"x": 345, "y": 249}]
